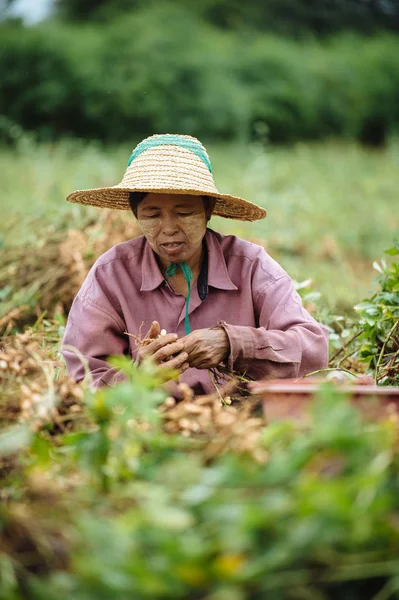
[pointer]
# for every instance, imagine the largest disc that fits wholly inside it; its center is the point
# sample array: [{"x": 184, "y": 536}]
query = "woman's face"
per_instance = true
[{"x": 174, "y": 226}]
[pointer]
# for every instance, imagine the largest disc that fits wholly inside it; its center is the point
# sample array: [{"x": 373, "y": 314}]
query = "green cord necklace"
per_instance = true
[{"x": 188, "y": 276}]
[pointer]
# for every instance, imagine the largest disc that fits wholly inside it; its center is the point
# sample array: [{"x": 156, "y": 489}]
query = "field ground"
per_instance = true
[{"x": 332, "y": 207}]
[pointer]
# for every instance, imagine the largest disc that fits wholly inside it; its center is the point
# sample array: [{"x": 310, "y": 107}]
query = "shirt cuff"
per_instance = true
[{"x": 248, "y": 343}]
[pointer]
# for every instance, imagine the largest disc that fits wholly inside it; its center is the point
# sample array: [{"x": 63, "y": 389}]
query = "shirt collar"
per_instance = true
[{"x": 218, "y": 276}]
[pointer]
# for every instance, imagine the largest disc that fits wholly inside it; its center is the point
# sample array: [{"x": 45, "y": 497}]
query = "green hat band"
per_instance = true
[{"x": 171, "y": 140}]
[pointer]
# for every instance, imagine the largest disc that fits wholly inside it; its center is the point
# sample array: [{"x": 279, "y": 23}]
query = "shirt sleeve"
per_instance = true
[
  {"x": 287, "y": 343},
  {"x": 94, "y": 332}
]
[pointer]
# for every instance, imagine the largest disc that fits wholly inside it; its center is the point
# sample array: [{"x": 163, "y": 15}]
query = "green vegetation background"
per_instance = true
[
  {"x": 332, "y": 206},
  {"x": 269, "y": 88}
]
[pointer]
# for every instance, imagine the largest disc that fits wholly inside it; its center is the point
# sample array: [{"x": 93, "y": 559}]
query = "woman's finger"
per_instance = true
[
  {"x": 169, "y": 350},
  {"x": 152, "y": 347},
  {"x": 178, "y": 362},
  {"x": 153, "y": 331}
]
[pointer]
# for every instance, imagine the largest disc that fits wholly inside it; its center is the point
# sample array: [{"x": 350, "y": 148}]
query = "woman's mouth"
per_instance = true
[{"x": 172, "y": 248}]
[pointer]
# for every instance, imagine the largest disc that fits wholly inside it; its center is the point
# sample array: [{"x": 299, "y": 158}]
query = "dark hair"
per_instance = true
[
  {"x": 134, "y": 200},
  {"x": 136, "y": 197}
]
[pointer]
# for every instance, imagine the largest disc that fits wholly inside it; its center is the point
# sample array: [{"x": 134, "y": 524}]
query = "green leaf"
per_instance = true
[
  {"x": 363, "y": 306},
  {"x": 8, "y": 578},
  {"x": 392, "y": 251},
  {"x": 5, "y": 291},
  {"x": 14, "y": 439},
  {"x": 41, "y": 450}
]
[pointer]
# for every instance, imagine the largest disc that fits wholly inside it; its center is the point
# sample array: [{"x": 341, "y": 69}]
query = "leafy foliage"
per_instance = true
[
  {"x": 120, "y": 509},
  {"x": 140, "y": 73},
  {"x": 288, "y": 17},
  {"x": 380, "y": 323},
  {"x": 372, "y": 338}
]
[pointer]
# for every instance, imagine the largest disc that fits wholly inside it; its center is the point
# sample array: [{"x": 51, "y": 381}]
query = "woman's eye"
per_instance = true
[{"x": 185, "y": 214}]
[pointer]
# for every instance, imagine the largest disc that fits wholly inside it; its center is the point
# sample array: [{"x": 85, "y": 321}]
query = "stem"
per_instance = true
[
  {"x": 356, "y": 572},
  {"x": 211, "y": 377},
  {"x": 331, "y": 369},
  {"x": 343, "y": 359},
  {"x": 390, "y": 334},
  {"x": 220, "y": 370},
  {"x": 352, "y": 339},
  {"x": 14, "y": 313},
  {"x": 387, "y": 591}
]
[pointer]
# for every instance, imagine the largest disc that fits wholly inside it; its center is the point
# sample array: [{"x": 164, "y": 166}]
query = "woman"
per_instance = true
[{"x": 220, "y": 299}]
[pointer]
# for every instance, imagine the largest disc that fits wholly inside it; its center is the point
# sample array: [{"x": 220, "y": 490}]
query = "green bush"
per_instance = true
[
  {"x": 39, "y": 87},
  {"x": 163, "y": 68},
  {"x": 379, "y": 322}
]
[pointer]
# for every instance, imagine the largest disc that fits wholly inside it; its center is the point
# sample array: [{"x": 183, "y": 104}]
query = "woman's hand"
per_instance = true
[
  {"x": 166, "y": 350},
  {"x": 206, "y": 348}
]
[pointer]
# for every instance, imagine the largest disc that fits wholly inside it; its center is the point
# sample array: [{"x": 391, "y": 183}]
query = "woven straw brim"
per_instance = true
[
  {"x": 230, "y": 207},
  {"x": 170, "y": 169}
]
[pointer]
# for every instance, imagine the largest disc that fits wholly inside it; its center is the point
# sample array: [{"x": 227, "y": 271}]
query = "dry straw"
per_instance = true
[{"x": 169, "y": 164}]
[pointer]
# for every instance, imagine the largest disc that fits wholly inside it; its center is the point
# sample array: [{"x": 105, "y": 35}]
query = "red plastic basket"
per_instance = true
[{"x": 289, "y": 398}]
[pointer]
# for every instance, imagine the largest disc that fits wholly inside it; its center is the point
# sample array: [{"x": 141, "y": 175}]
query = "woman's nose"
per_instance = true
[{"x": 169, "y": 225}]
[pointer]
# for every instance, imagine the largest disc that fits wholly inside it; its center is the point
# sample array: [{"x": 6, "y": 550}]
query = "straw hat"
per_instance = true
[{"x": 169, "y": 164}]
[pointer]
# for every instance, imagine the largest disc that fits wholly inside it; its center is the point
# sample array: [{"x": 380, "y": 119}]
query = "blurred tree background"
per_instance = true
[{"x": 283, "y": 69}]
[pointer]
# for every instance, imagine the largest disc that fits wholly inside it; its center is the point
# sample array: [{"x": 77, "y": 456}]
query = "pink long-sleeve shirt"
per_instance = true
[{"x": 271, "y": 334}]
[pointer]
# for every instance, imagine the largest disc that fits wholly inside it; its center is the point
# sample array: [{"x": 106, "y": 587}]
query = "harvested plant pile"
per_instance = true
[
  {"x": 34, "y": 386},
  {"x": 45, "y": 276}
]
